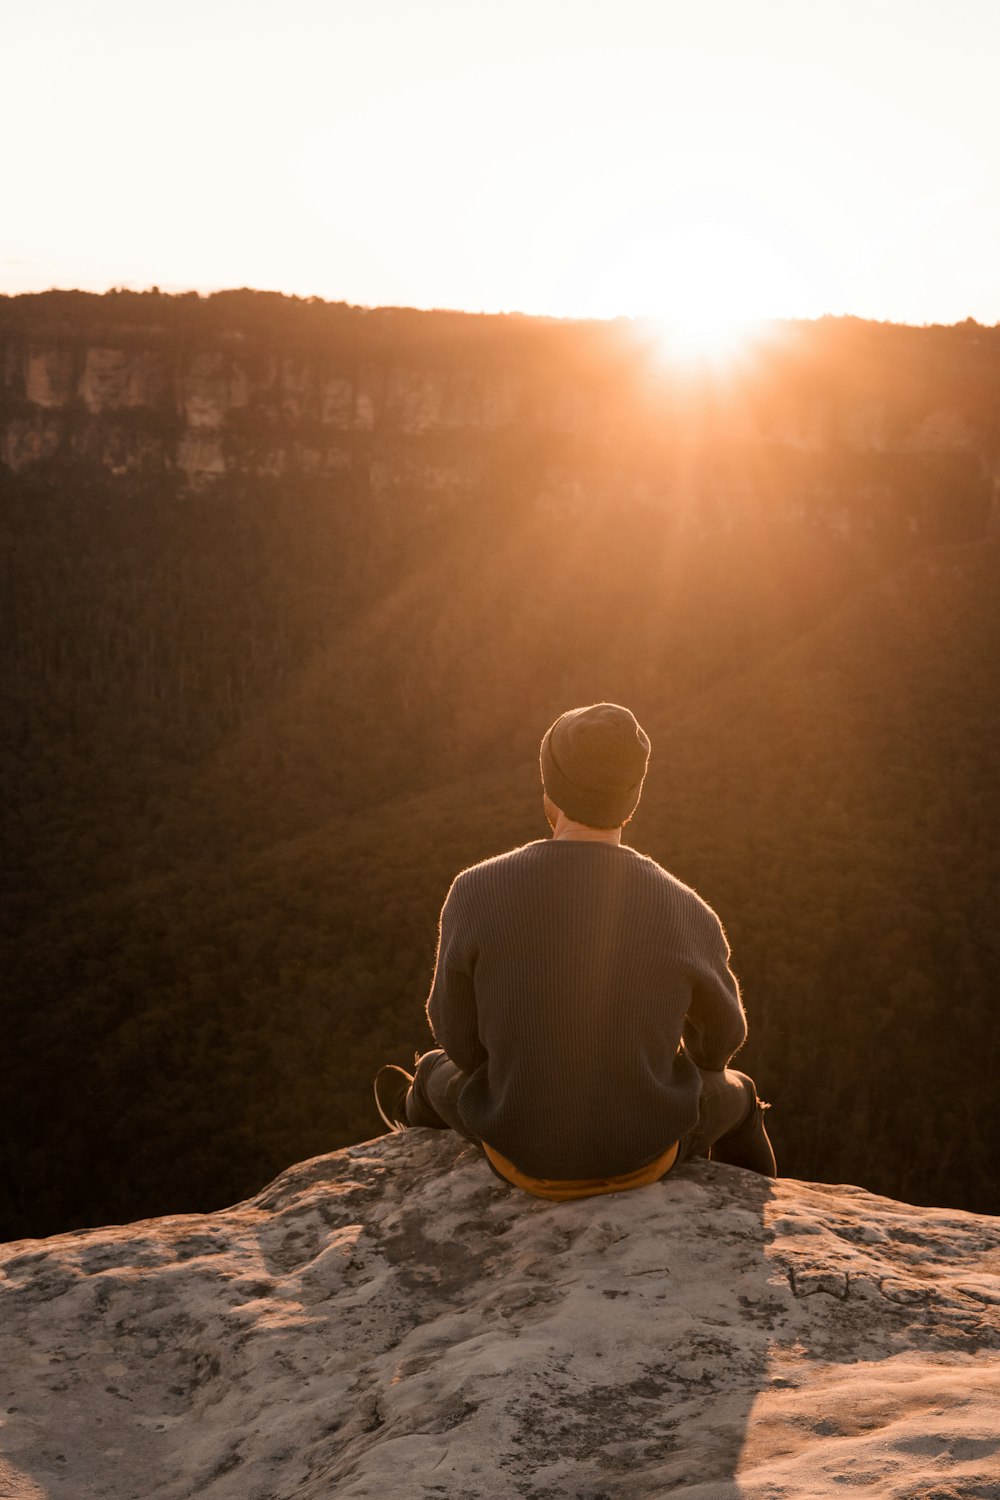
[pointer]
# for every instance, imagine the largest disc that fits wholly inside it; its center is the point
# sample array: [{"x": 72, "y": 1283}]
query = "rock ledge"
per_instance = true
[{"x": 391, "y": 1320}]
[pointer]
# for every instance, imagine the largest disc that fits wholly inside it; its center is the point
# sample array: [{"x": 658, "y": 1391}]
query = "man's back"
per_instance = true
[{"x": 567, "y": 973}]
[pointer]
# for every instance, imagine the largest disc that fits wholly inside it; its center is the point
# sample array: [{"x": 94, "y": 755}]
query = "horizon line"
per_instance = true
[{"x": 206, "y": 293}]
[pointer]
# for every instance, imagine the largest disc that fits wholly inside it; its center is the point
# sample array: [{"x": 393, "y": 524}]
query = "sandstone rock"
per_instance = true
[
  {"x": 200, "y": 455},
  {"x": 391, "y": 1320},
  {"x": 210, "y": 388},
  {"x": 112, "y": 378},
  {"x": 50, "y": 376},
  {"x": 336, "y": 402},
  {"x": 27, "y": 440}
]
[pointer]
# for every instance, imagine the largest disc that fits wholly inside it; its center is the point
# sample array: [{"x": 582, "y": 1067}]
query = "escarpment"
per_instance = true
[{"x": 856, "y": 428}]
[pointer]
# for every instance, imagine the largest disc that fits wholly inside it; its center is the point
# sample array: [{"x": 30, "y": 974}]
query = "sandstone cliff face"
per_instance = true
[
  {"x": 211, "y": 412},
  {"x": 393, "y": 1320},
  {"x": 206, "y": 388},
  {"x": 402, "y": 411}
]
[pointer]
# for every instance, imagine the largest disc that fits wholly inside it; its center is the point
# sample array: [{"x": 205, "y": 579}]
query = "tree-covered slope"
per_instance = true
[{"x": 253, "y": 735}]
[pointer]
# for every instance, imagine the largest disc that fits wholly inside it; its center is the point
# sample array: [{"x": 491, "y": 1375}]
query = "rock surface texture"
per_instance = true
[{"x": 392, "y": 1320}]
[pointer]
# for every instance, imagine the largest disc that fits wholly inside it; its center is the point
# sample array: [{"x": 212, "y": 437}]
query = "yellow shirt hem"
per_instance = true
[{"x": 583, "y": 1187}]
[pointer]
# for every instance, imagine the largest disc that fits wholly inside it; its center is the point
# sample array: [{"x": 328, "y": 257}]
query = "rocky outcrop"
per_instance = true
[{"x": 393, "y": 1320}]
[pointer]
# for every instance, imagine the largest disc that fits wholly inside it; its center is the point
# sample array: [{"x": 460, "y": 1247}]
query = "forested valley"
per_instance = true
[{"x": 250, "y": 735}]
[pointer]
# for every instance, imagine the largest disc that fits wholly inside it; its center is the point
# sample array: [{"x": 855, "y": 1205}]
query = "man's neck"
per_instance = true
[{"x": 566, "y": 830}]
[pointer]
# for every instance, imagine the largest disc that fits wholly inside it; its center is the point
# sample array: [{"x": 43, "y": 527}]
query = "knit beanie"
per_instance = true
[{"x": 593, "y": 762}]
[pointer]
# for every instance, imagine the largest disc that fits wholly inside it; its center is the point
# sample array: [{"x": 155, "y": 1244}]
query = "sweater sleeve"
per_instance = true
[
  {"x": 451, "y": 1005},
  {"x": 716, "y": 1025}
]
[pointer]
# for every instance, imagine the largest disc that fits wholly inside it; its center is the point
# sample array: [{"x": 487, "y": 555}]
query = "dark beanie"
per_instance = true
[{"x": 593, "y": 763}]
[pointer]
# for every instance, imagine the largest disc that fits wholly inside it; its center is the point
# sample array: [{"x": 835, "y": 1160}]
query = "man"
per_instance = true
[{"x": 583, "y": 1004}]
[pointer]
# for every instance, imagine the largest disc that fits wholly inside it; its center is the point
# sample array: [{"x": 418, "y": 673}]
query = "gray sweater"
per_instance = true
[{"x": 567, "y": 974}]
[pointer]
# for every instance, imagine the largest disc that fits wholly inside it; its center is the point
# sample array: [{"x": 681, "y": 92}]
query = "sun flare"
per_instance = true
[
  {"x": 703, "y": 278},
  {"x": 704, "y": 337}
]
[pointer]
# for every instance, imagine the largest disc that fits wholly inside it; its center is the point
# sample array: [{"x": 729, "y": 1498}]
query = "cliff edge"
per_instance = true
[{"x": 391, "y": 1320}]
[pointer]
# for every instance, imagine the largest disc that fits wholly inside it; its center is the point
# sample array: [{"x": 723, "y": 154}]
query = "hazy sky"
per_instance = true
[{"x": 748, "y": 157}]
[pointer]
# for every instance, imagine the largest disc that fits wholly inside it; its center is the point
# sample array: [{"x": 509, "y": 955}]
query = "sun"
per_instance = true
[
  {"x": 702, "y": 336},
  {"x": 703, "y": 276},
  {"x": 708, "y": 285}
]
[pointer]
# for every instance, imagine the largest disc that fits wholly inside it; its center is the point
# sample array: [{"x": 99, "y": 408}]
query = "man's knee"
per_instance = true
[
  {"x": 420, "y": 1108},
  {"x": 433, "y": 1098},
  {"x": 726, "y": 1101}
]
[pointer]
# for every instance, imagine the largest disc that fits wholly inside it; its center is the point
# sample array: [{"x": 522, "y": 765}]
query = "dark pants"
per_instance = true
[{"x": 730, "y": 1121}]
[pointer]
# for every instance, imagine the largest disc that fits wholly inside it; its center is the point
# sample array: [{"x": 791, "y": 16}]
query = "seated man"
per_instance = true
[{"x": 583, "y": 1004}]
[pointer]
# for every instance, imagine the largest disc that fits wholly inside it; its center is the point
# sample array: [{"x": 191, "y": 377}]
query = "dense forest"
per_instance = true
[{"x": 250, "y": 734}]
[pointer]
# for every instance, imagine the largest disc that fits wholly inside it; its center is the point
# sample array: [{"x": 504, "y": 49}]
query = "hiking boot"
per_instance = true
[{"x": 392, "y": 1084}]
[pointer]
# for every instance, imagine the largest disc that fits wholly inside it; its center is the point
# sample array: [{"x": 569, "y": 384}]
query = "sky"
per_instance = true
[{"x": 700, "y": 161}]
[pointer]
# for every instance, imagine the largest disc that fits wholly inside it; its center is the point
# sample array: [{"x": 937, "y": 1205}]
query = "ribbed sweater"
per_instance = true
[{"x": 567, "y": 974}]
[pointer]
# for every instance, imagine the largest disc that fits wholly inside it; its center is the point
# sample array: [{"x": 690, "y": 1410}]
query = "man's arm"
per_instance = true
[
  {"x": 716, "y": 1024},
  {"x": 451, "y": 1005}
]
